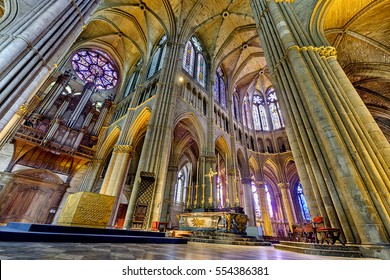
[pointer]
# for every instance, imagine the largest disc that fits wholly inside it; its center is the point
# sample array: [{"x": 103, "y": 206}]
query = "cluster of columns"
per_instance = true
[{"x": 341, "y": 154}]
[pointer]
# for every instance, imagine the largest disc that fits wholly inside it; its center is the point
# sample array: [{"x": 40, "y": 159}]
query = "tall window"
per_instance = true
[
  {"x": 302, "y": 203},
  {"x": 158, "y": 57},
  {"x": 219, "y": 88},
  {"x": 235, "y": 106},
  {"x": 274, "y": 110},
  {"x": 180, "y": 187},
  {"x": 256, "y": 199},
  {"x": 246, "y": 113},
  {"x": 194, "y": 62},
  {"x": 269, "y": 202},
  {"x": 133, "y": 81},
  {"x": 96, "y": 67},
  {"x": 259, "y": 113}
]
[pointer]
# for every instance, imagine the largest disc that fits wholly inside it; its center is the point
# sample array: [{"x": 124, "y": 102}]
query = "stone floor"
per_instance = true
[{"x": 126, "y": 251}]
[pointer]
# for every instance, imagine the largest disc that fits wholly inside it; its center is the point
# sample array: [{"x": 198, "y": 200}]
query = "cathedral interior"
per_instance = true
[{"x": 138, "y": 111}]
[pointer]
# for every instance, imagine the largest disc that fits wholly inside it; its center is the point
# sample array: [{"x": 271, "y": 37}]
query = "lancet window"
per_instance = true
[
  {"x": 246, "y": 119},
  {"x": 158, "y": 57},
  {"x": 219, "y": 88},
  {"x": 274, "y": 110},
  {"x": 302, "y": 203},
  {"x": 194, "y": 62},
  {"x": 259, "y": 113}
]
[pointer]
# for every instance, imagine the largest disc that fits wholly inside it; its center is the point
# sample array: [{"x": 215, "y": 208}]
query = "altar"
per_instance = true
[{"x": 227, "y": 222}]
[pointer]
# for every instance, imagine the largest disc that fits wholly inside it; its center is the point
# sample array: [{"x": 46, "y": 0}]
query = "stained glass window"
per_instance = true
[
  {"x": 274, "y": 110},
  {"x": 201, "y": 70},
  {"x": 95, "y": 67},
  {"x": 219, "y": 88},
  {"x": 216, "y": 88},
  {"x": 269, "y": 202},
  {"x": 256, "y": 199},
  {"x": 246, "y": 113},
  {"x": 235, "y": 106},
  {"x": 189, "y": 58},
  {"x": 193, "y": 61},
  {"x": 302, "y": 203},
  {"x": 158, "y": 57},
  {"x": 256, "y": 117},
  {"x": 259, "y": 113}
]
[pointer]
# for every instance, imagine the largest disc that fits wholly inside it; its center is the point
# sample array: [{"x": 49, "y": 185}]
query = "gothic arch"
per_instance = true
[
  {"x": 254, "y": 167},
  {"x": 194, "y": 126},
  {"x": 222, "y": 146},
  {"x": 108, "y": 143},
  {"x": 291, "y": 171},
  {"x": 139, "y": 125},
  {"x": 271, "y": 173}
]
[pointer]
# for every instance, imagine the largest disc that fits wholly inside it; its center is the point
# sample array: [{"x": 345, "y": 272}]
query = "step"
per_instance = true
[
  {"x": 53, "y": 233},
  {"x": 327, "y": 247},
  {"x": 73, "y": 229},
  {"x": 230, "y": 242},
  {"x": 315, "y": 250}
]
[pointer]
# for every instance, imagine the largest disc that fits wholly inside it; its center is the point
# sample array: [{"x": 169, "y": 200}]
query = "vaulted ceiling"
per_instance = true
[{"x": 226, "y": 29}]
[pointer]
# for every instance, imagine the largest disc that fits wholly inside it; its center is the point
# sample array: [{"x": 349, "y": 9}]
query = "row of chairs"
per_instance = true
[{"x": 316, "y": 232}]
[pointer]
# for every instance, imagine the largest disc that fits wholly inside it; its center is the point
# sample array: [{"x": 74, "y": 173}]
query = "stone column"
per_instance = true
[
  {"x": 340, "y": 156},
  {"x": 287, "y": 203},
  {"x": 267, "y": 226},
  {"x": 169, "y": 195},
  {"x": 156, "y": 149},
  {"x": 248, "y": 201},
  {"x": 90, "y": 175},
  {"x": 117, "y": 169}
]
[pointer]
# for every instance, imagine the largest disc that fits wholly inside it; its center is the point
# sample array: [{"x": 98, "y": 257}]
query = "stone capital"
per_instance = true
[
  {"x": 283, "y": 185},
  {"x": 123, "y": 149}
]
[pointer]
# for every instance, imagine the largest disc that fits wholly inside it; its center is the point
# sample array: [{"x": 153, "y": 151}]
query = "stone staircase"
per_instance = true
[
  {"x": 227, "y": 238},
  {"x": 348, "y": 251}
]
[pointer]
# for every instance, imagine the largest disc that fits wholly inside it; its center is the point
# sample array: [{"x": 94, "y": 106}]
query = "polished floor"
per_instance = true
[{"x": 126, "y": 251}]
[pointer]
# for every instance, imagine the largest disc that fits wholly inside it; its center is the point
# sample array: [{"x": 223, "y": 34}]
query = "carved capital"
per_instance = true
[
  {"x": 123, "y": 149},
  {"x": 283, "y": 185}
]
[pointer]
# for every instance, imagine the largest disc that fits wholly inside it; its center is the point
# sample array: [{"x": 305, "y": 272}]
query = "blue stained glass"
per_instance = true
[
  {"x": 222, "y": 93},
  {"x": 95, "y": 67},
  {"x": 201, "y": 70},
  {"x": 302, "y": 203},
  {"x": 269, "y": 202},
  {"x": 216, "y": 88}
]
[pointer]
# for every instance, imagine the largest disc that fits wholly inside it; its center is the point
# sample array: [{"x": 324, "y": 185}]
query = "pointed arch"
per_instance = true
[
  {"x": 139, "y": 125},
  {"x": 271, "y": 173},
  {"x": 193, "y": 125},
  {"x": 254, "y": 167},
  {"x": 222, "y": 145},
  {"x": 108, "y": 143}
]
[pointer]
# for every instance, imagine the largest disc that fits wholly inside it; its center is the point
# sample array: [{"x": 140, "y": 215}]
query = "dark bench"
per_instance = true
[
  {"x": 328, "y": 234},
  {"x": 303, "y": 233}
]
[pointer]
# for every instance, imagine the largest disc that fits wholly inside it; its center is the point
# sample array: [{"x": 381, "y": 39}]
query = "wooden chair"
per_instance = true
[{"x": 322, "y": 233}]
